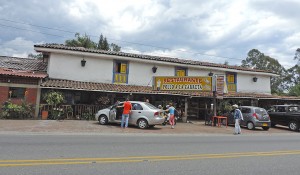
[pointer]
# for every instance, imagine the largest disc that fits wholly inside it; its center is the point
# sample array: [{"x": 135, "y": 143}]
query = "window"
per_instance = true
[
  {"x": 246, "y": 110},
  {"x": 180, "y": 71},
  {"x": 281, "y": 109},
  {"x": 137, "y": 106},
  {"x": 16, "y": 92},
  {"x": 120, "y": 74},
  {"x": 231, "y": 82}
]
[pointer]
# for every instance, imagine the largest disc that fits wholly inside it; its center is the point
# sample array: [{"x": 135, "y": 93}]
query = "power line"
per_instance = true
[{"x": 135, "y": 43}]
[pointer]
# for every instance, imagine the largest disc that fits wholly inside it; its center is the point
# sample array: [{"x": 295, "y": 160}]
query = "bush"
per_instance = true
[{"x": 10, "y": 110}]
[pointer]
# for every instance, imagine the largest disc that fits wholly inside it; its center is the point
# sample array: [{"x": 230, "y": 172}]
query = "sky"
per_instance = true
[{"x": 215, "y": 31}]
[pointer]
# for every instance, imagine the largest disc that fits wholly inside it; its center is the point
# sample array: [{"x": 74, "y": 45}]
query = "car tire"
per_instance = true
[
  {"x": 293, "y": 126},
  {"x": 103, "y": 120},
  {"x": 266, "y": 128},
  {"x": 142, "y": 123},
  {"x": 250, "y": 126}
]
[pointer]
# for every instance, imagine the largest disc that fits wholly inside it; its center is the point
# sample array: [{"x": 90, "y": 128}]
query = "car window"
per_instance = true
[
  {"x": 280, "y": 109},
  {"x": 293, "y": 108},
  {"x": 261, "y": 111},
  {"x": 246, "y": 110},
  {"x": 136, "y": 106},
  {"x": 272, "y": 109},
  {"x": 151, "y": 106}
]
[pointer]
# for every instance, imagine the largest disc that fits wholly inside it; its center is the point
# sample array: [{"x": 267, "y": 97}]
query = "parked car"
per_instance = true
[
  {"x": 253, "y": 117},
  {"x": 143, "y": 115},
  {"x": 286, "y": 115}
]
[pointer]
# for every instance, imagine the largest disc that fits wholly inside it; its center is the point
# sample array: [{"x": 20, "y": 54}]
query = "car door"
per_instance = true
[
  {"x": 136, "y": 112},
  {"x": 246, "y": 115},
  {"x": 115, "y": 114}
]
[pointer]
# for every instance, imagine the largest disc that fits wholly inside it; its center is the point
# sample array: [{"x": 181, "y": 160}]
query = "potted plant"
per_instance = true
[{"x": 54, "y": 98}]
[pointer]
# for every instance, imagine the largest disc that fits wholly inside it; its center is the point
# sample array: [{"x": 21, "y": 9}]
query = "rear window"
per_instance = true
[
  {"x": 151, "y": 106},
  {"x": 261, "y": 111}
]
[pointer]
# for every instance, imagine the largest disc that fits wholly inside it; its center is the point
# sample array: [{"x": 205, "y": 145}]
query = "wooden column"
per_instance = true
[{"x": 184, "y": 118}]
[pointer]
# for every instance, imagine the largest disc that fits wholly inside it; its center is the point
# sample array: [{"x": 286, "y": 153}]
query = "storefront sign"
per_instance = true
[
  {"x": 183, "y": 83},
  {"x": 220, "y": 85}
]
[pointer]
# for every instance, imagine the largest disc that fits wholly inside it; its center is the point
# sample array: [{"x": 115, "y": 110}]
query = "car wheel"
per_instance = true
[
  {"x": 250, "y": 125},
  {"x": 103, "y": 120},
  {"x": 142, "y": 123},
  {"x": 293, "y": 125},
  {"x": 266, "y": 128}
]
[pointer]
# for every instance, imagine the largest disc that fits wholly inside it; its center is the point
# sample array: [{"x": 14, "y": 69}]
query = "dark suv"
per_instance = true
[
  {"x": 286, "y": 115},
  {"x": 253, "y": 117}
]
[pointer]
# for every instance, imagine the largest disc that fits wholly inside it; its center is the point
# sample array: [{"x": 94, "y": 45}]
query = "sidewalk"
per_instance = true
[{"x": 93, "y": 127}]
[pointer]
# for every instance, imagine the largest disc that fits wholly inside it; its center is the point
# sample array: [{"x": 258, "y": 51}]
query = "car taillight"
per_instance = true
[
  {"x": 255, "y": 115},
  {"x": 156, "y": 114}
]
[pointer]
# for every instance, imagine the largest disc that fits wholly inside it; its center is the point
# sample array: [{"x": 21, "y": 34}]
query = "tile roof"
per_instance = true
[
  {"x": 23, "y": 64},
  {"x": 23, "y": 73},
  {"x": 105, "y": 87},
  {"x": 148, "y": 57}
]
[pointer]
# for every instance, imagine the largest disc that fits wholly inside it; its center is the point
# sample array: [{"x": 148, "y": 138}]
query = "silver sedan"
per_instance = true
[{"x": 143, "y": 115}]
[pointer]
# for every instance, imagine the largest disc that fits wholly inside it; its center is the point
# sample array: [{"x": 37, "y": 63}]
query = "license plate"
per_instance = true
[{"x": 265, "y": 124}]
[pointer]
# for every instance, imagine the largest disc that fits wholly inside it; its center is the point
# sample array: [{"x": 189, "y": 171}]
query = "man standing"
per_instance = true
[
  {"x": 238, "y": 116},
  {"x": 126, "y": 111}
]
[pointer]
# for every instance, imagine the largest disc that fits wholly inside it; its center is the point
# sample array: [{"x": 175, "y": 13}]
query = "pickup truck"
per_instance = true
[{"x": 286, "y": 115}]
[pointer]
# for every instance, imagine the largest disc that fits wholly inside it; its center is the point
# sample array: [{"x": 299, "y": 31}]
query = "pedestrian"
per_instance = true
[
  {"x": 171, "y": 110},
  {"x": 238, "y": 116},
  {"x": 126, "y": 111}
]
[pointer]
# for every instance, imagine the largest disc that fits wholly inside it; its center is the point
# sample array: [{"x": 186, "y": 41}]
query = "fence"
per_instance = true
[{"x": 78, "y": 111}]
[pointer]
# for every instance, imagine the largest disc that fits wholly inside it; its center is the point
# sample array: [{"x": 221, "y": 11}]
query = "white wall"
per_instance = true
[
  {"x": 141, "y": 73},
  {"x": 100, "y": 69},
  {"x": 245, "y": 84},
  {"x": 62, "y": 66}
]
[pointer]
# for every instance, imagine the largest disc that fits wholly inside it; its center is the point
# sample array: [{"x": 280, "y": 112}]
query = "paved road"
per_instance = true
[
  {"x": 135, "y": 154},
  {"x": 92, "y": 127}
]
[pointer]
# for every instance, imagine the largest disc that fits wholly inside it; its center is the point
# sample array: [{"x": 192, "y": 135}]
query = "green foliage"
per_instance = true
[
  {"x": 86, "y": 42},
  {"x": 14, "y": 111},
  {"x": 37, "y": 56},
  {"x": 295, "y": 90},
  {"x": 81, "y": 41},
  {"x": 54, "y": 98},
  {"x": 297, "y": 54},
  {"x": 258, "y": 60}
]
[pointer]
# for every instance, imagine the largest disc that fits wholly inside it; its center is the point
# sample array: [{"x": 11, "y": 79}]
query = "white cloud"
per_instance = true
[
  {"x": 190, "y": 29},
  {"x": 19, "y": 47}
]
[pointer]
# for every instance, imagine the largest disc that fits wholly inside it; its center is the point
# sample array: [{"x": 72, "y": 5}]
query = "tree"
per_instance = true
[
  {"x": 37, "y": 56},
  {"x": 295, "y": 90},
  {"x": 297, "y": 54},
  {"x": 81, "y": 41},
  {"x": 86, "y": 42},
  {"x": 257, "y": 60}
]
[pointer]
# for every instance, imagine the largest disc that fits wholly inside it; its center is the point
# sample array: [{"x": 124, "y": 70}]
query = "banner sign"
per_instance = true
[
  {"x": 182, "y": 83},
  {"x": 220, "y": 85}
]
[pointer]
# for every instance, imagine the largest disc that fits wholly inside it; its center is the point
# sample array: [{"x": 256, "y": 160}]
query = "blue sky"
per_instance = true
[{"x": 211, "y": 31}]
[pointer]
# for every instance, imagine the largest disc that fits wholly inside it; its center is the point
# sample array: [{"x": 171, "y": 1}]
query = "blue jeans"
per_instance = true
[{"x": 125, "y": 118}]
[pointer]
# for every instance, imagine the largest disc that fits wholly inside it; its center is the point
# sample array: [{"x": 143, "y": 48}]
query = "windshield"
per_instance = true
[{"x": 151, "y": 106}]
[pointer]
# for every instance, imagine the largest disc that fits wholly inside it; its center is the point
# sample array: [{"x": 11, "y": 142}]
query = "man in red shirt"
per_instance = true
[{"x": 126, "y": 111}]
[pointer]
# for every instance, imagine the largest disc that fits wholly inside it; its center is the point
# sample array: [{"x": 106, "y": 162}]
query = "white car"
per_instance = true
[{"x": 143, "y": 115}]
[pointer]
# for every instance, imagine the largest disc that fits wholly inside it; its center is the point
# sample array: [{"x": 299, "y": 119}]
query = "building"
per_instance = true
[
  {"x": 20, "y": 79},
  {"x": 89, "y": 76}
]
